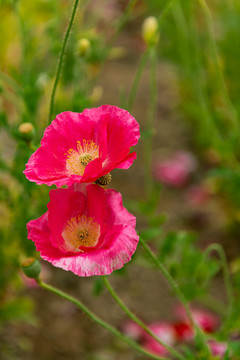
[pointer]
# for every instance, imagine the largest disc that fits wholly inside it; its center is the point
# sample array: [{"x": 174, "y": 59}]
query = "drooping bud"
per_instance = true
[
  {"x": 31, "y": 268},
  {"x": 83, "y": 47},
  {"x": 150, "y": 31},
  {"x": 26, "y": 131},
  {"x": 104, "y": 180}
]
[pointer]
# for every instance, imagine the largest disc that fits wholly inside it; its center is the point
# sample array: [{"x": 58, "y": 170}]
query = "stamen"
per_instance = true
[
  {"x": 81, "y": 231},
  {"x": 78, "y": 159}
]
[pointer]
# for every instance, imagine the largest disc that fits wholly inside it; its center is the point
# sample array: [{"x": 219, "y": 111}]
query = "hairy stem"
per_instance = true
[
  {"x": 150, "y": 124},
  {"x": 227, "y": 280},
  {"x": 209, "y": 21},
  {"x": 137, "y": 78},
  {"x": 60, "y": 59},
  {"x": 99, "y": 321},
  {"x": 178, "y": 293},
  {"x": 138, "y": 321}
]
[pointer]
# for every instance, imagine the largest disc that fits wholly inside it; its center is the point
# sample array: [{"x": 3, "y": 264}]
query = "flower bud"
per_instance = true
[
  {"x": 104, "y": 180},
  {"x": 31, "y": 268},
  {"x": 150, "y": 31},
  {"x": 83, "y": 47},
  {"x": 26, "y": 131}
]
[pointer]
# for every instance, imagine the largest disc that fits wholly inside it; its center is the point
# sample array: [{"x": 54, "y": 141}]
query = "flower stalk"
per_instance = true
[
  {"x": 99, "y": 321},
  {"x": 132, "y": 316},
  {"x": 227, "y": 280},
  {"x": 60, "y": 60},
  {"x": 178, "y": 293}
]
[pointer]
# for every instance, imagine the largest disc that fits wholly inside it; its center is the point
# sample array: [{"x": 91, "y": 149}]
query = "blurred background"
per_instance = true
[{"x": 182, "y": 86}]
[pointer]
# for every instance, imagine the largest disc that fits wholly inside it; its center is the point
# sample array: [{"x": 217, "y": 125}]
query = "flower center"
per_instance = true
[
  {"x": 82, "y": 235},
  {"x": 81, "y": 231},
  {"x": 78, "y": 159},
  {"x": 85, "y": 159}
]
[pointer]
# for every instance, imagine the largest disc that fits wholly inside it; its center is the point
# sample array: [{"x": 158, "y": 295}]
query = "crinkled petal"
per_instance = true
[
  {"x": 117, "y": 242},
  {"x": 97, "y": 262},
  {"x": 122, "y": 133},
  {"x": 110, "y": 128},
  {"x": 117, "y": 214}
]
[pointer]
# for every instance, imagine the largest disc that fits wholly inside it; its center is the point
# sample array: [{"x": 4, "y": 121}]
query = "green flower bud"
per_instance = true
[
  {"x": 26, "y": 131},
  {"x": 83, "y": 47},
  {"x": 31, "y": 268},
  {"x": 150, "y": 31}
]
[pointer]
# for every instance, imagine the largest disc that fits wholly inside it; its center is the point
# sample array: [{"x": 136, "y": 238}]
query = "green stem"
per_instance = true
[
  {"x": 60, "y": 60},
  {"x": 178, "y": 293},
  {"x": 99, "y": 321},
  {"x": 227, "y": 280},
  {"x": 164, "y": 12},
  {"x": 138, "y": 321},
  {"x": 137, "y": 78},
  {"x": 207, "y": 13},
  {"x": 122, "y": 21},
  {"x": 150, "y": 124},
  {"x": 219, "y": 249}
]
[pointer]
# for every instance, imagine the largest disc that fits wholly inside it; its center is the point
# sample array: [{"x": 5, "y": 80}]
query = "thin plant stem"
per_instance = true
[
  {"x": 165, "y": 11},
  {"x": 208, "y": 16},
  {"x": 150, "y": 124},
  {"x": 60, "y": 59},
  {"x": 227, "y": 280},
  {"x": 138, "y": 321},
  {"x": 137, "y": 78},
  {"x": 189, "y": 52},
  {"x": 172, "y": 283},
  {"x": 99, "y": 321},
  {"x": 122, "y": 21},
  {"x": 219, "y": 249}
]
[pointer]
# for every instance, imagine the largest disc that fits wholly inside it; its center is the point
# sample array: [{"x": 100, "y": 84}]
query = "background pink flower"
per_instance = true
[
  {"x": 197, "y": 195},
  {"x": 176, "y": 170},
  {"x": 217, "y": 348},
  {"x": 133, "y": 330},
  {"x": 164, "y": 332},
  {"x": 184, "y": 332},
  {"x": 81, "y": 147},
  {"x": 206, "y": 320},
  {"x": 86, "y": 230}
]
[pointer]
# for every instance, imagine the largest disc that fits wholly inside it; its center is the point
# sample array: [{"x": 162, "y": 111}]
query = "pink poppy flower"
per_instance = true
[
  {"x": 197, "y": 195},
  {"x": 206, "y": 320},
  {"x": 176, "y": 170},
  {"x": 184, "y": 332},
  {"x": 82, "y": 147},
  {"x": 217, "y": 348},
  {"x": 86, "y": 230},
  {"x": 164, "y": 332},
  {"x": 133, "y": 330}
]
